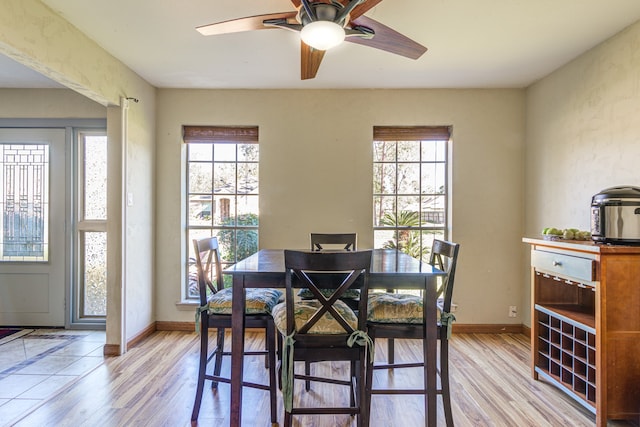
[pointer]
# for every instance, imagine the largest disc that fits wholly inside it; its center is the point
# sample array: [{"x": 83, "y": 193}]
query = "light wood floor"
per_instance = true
[{"x": 153, "y": 384}]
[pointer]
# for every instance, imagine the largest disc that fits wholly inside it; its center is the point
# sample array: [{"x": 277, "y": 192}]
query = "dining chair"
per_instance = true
[
  {"x": 325, "y": 328},
  {"x": 342, "y": 241},
  {"x": 215, "y": 313},
  {"x": 332, "y": 242},
  {"x": 402, "y": 316}
]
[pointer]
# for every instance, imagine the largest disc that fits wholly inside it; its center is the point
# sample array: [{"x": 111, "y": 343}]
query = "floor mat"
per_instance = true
[{"x": 10, "y": 334}]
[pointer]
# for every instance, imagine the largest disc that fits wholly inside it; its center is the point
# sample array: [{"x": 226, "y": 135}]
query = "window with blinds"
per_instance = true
[
  {"x": 222, "y": 192},
  {"x": 410, "y": 187}
]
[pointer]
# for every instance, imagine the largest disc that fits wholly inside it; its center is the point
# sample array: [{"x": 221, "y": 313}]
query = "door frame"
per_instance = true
[{"x": 70, "y": 126}]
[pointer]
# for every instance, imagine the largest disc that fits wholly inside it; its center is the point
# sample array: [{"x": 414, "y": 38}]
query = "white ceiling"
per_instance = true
[
  {"x": 472, "y": 43},
  {"x": 15, "y": 75}
]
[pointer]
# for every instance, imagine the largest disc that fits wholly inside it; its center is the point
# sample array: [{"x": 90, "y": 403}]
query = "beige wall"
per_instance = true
[
  {"x": 33, "y": 35},
  {"x": 48, "y": 104},
  {"x": 316, "y": 175},
  {"x": 583, "y": 134}
]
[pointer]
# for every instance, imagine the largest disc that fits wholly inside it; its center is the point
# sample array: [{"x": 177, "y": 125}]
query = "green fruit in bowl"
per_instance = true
[
  {"x": 568, "y": 234},
  {"x": 583, "y": 235}
]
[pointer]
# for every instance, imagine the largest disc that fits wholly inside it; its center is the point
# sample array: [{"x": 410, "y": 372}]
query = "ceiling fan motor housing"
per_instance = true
[{"x": 323, "y": 11}]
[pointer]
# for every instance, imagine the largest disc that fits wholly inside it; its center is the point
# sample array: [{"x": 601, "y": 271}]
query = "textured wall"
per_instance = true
[
  {"x": 33, "y": 35},
  {"x": 583, "y": 133},
  {"x": 316, "y": 174}
]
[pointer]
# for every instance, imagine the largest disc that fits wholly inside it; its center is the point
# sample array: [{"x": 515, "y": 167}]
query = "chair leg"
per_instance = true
[
  {"x": 365, "y": 403},
  {"x": 424, "y": 376},
  {"x": 363, "y": 415},
  {"x": 267, "y": 346},
  {"x": 390, "y": 352},
  {"x": 288, "y": 417},
  {"x": 390, "y": 348},
  {"x": 279, "y": 358},
  {"x": 271, "y": 355},
  {"x": 204, "y": 340},
  {"x": 217, "y": 366},
  {"x": 352, "y": 373},
  {"x": 444, "y": 381},
  {"x": 307, "y": 371}
]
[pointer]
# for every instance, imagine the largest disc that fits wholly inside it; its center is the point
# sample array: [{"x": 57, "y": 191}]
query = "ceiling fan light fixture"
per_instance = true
[{"x": 322, "y": 35}]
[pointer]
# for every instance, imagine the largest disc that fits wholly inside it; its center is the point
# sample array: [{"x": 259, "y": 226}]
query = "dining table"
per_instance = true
[{"x": 390, "y": 270}]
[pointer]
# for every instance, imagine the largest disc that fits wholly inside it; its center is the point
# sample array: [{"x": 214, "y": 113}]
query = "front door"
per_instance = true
[{"x": 33, "y": 250}]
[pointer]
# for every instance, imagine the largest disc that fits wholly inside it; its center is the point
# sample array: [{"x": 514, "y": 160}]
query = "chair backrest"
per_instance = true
[
  {"x": 327, "y": 270},
  {"x": 444, "y": 255},
  {"x": 345, "y": 241},
  {"x": 208, "y": 266}
]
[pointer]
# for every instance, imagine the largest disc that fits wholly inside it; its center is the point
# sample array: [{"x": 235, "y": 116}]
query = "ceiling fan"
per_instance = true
[{"x": 323, "y": 24}]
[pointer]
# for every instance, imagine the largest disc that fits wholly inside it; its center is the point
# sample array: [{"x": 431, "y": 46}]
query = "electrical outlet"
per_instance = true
[
  {"x": 454, "y": 307},
  {"x": 513, "y": 311}
]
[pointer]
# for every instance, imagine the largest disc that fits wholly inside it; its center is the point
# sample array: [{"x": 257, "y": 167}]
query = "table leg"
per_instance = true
[
  {"x": 237, "y": 349},
  {"x": 430, "y": 349}
]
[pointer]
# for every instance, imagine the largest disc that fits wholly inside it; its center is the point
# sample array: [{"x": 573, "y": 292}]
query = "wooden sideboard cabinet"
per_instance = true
[{"x": 585, "y": 324}]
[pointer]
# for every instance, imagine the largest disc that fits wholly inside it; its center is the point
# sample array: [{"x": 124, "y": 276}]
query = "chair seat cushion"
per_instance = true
[
  {"x": 303, "y": 310},
  {"x": 258, "y": 301},
  {"x": 305, "y": 293},
  {"x": 385, "y": 307}
]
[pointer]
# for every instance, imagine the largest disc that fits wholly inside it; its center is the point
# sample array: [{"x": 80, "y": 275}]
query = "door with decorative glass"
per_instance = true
[{"x": 33, "y": 247}]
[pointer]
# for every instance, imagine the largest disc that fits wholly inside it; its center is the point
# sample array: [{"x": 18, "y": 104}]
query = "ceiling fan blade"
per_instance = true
[
  {"x": 310, "y": 60},
  {"x": 248, "y": 23},
  {"x": 363, "y": 8},
  {"x": 387, "y": 39}
]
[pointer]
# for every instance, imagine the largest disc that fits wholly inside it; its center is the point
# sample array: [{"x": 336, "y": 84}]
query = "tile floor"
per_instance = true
[{"x": 36, "y": 364}]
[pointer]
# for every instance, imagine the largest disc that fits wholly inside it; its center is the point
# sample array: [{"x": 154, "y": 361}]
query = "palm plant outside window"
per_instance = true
[
  {"x": 222, "y": 193},
  {"x": 410, "y": 188}
]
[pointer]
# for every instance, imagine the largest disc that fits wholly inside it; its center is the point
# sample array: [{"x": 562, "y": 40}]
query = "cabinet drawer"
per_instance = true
[{"x": 563, "y": 265}]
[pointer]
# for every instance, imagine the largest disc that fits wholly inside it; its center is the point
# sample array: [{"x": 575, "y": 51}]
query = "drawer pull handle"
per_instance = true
[{"x": 557, "y": 263}]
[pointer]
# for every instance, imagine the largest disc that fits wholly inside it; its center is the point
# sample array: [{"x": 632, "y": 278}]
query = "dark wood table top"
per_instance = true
[{"x": 388, "y": 268}]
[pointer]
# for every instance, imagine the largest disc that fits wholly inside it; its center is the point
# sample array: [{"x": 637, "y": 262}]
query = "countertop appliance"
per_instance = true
[{"x": 615, "y": 216}]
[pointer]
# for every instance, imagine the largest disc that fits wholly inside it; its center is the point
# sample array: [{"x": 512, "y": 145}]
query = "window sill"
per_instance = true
[{"x": 187, "y": 304}]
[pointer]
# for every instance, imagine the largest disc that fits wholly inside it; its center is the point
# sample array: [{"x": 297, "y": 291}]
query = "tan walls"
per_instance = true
[
  {"x": 316, "y": 175},
  {"x": 583, "y": 133},
  {"x": 47, "y": 104},
  {"x": 35, "y": 36},
  {"x": 580, "y": 124}
]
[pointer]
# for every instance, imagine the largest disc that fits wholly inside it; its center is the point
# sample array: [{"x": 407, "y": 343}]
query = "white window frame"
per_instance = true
[
  {"x": 236, "y": 136},
  {"x": 423, "y": 230},
  {"x": 82, "y": 227}
]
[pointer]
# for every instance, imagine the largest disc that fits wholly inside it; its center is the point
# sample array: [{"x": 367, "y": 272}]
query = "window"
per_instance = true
[
  {"x": 222, "y": 193},
  {"x": 24, "y": 202},
  {"x": 90, "y": 290},
  {"x": 410, "y": 188}
]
